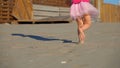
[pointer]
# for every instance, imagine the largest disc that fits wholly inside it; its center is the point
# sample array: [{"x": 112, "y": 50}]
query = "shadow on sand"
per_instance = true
[{"x": 41, "y": 38}]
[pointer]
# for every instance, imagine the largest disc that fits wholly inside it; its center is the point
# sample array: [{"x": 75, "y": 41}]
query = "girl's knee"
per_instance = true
[{"x": 87, "y": 19}]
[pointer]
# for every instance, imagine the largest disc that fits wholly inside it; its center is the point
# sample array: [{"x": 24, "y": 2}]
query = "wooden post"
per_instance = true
[{"x": 99, "y": 7}]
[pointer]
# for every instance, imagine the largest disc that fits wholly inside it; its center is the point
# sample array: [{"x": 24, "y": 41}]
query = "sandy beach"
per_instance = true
[{"x": 54, "y": 46}]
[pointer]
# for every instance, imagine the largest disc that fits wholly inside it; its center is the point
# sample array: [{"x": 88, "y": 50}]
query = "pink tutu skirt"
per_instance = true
[{"x": 82, "y": 8}]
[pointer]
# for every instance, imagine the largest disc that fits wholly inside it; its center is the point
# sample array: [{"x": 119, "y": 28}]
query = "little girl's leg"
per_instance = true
[
  {"x": 87, "y": 22},
  {"x": 79, "y": 22},
  {"x": 83, "y": 24},
  {"x": 81, "y": 34}
]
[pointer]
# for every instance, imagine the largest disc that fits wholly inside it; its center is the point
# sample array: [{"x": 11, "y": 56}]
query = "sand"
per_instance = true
[{"x": 54, "y": 46}]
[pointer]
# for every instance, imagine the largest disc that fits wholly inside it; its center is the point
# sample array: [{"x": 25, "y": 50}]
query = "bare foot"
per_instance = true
[{"x": 82, "y": 36}]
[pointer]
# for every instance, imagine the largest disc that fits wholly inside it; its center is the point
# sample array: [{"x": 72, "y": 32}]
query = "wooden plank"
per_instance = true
[
  {"x": 45, "y": 8},
  {"x": 43, "y": 11},
  {"x": 64, "y": 9},
  {"x": 26, "y": 7},
  {"x": 62, "y": 3},
  {"x": 39, "y": 17},
  {"x": 46, "y": 13},
  {"x": 64, "y": 14},
  {"x": 50, "y": 8}
]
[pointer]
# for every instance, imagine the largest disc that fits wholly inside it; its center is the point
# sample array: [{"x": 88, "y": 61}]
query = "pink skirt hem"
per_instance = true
[{"x": 82, "y": 8}]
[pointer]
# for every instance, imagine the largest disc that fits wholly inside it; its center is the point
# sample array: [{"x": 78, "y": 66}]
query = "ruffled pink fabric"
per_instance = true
[
  {"x": 82, "y": 8},
  {"x": 78, "y": 1}
]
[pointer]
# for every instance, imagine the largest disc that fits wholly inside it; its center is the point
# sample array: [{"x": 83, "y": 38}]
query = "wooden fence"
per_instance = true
[
  {"x": 11, "y": 10},
  {"x": 110, "y": 13},
  {"x": 6, "y": 10},
  {"x": 23, "y": 10}
]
